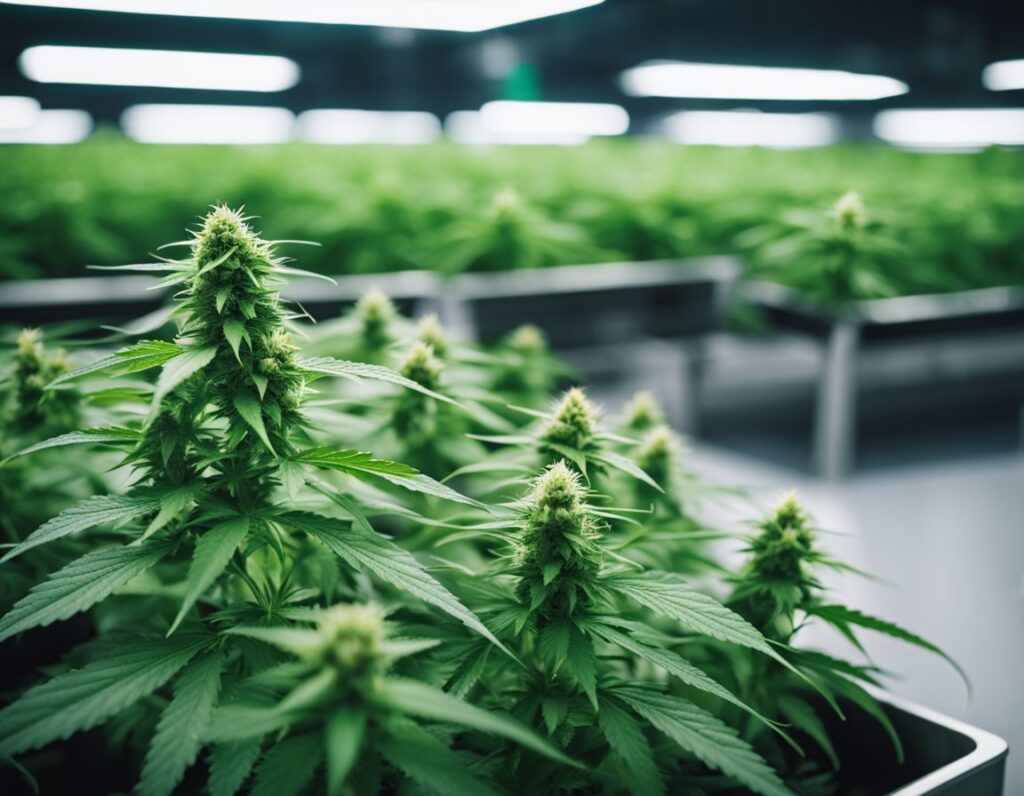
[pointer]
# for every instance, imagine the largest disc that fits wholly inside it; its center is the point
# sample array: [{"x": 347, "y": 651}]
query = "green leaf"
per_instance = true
[
  {"x": 627, "y": 466},
  {"x": 83, "y": 698},
  {"x": 93, "y": 511},
  {"x": 428, "y": 762},
  {"x": 418, "y": 699},
  {"x": 212, "y": 554},
  {"x": 387, "y": 561},
  {"x": 234, "y": 331},
  {"x": 179, "y": 732},
  {"x": 675, "y": 665},
  {"x": 802, "y": 716},
  {"x": 343, "y": 737},
  {"x": 214, "y": 263},
  {"x": 668, "y": 595},
  {"x": 360, "y": 370},
  {"x": 842, "y": 617},
  {"x": 627, "y": 740},
  {"x": 175, "y": 371},
  {"x": 288, "y": 766},
  {"x": 583, "y": 664},
  {"x": 697, "y": 731},
  {"x": 80, "y": 585},
  {"x": 251, "y": 410},
  {"x": 554, "y": 643},
  {"x": 172, "y": 503},
  {"x": 90, "y": 436},
  {"x": 243, "y": 721},
  {"x": 141, "y": 356},
  {"x": 230, "y": 765},
  {"x": 362, "y": 464}
]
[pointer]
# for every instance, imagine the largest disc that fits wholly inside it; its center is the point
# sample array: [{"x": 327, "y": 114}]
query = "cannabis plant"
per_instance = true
[
  {"x": 224, "y": 529},
  {"x": 839, "y": 256}
]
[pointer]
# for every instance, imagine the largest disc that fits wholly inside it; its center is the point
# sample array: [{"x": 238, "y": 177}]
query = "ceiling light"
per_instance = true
[
  {"x": 17, "y": 112},
  {"x": 950, "y": 128},
  {"x": 110, "y": 66},
  {"x": 752, "y": 128},
  {"x": 460, "y": 15},
  {"x": 720, "y": 81},
  {"x": 207, "y": 124},
  {"x": 1004, "y": 75},
  {"x": 467, "y": 127},
  {"x": 554, "y": 118},
  {"x": 50, "y": 127},
  {"x": 368, "y": 127}
]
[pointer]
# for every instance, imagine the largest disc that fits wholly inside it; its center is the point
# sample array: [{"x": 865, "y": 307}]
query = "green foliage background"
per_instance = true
[{"x": 958, "y": 218}]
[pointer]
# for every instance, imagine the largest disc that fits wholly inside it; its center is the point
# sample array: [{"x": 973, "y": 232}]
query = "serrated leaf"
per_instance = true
[
  {"x": 343, "y": 737},
  {"x": 214, "y": 549},
  {"x": 89, "y": 436},
  {"x": 842, "y": 617},
  {"x": 360, "y": 370},
  {"x": 172, "y": 503},
  {"x": 251, "y": 411},
  {"x": 80, "y": 585},
  {"x": 141, "y": 356},
  {"x": 222, "y": 298},
  {"x": 218, "y": 261},
  {"x": 362, "y": 464},
  {"x": 669, "y": 595},
  {"x": 177, "y": 740},
  {"x": 677, "y": 666},
  {"x": 583, "y": 663},
  {"x": 234, "y": 331},
  {"x": 801, "y": 715},
  {"x": 93, "y": 511},
  {"x": 418, "y": 699},
  {"x": 230, "y": 765},
  {"x": 554, "y": 643},
  {"x": 387, "y": 561},
  {"x": 713, "y": 742},
  {"x": 428, "y": 762},
  {"x": 83, "y": 698},
  {"x": 288, "y": 766},
  {"x": 628, "y": 741},
  {"x": 243, "y": 721},
  {"x": 175, "y": 371}
]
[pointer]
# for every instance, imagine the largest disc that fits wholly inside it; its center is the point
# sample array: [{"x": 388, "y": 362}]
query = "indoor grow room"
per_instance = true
[{"x": 593, "y": 397}]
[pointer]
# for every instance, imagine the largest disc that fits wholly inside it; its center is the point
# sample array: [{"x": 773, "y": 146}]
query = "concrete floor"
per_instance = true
[{"x": 948, "y": 539}]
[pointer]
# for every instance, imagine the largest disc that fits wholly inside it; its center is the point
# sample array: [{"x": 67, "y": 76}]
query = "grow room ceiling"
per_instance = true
[{"x": 581, "y": 52}]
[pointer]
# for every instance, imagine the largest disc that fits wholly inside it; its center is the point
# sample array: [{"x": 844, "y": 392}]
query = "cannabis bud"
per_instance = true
[
  {"x": 557, "y": 556},
  {"x": 659, "y": 454},
  {"x": 352, "y": 639},
  {"x": 432, "y": 334},
  {"x": 643, "y": 412},
  {"x": 421, "y": 366},
  {"x": 849, "y": 212},
  {"x": 375, "y": 312},
  {"x": 35, "y": 367},
  {"x": 528, "y": 340},
  {"x": 574, "y": 423}
]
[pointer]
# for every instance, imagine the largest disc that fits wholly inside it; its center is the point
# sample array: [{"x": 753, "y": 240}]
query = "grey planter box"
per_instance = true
[
  {"x": 942, "y": 755},
  {"x": 926, "y": 339}
]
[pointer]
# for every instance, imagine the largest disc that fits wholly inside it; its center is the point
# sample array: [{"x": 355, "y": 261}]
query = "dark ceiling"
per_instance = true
[{"x": 938, "y": 48}]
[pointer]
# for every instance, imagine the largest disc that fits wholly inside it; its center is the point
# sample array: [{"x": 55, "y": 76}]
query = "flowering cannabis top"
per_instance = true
[{"x": 574, "y": 423}]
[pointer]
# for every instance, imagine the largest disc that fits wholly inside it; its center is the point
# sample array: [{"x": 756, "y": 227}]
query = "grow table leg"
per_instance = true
[{"x": 835, "y": 418}]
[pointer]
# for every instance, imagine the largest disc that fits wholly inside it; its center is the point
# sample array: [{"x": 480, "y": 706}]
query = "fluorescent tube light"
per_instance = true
[
  {"x": 330, "y": 126},
  {"x": 113, "y": 66},
  {"x": 50, "y": 127},
  {"x": 468, "y": 127},
  {"x": 959, "y": 128},
  {"x": 1004, "y": 75},
  {"x": 720, "y": 81},
  {"x": 207, "y": 124},
  {"x": 752, "y": 128},
  {"x": 555, "y": 118},
  {"x": 460, "y": 15},
  {"x": 17, "y": 112}
]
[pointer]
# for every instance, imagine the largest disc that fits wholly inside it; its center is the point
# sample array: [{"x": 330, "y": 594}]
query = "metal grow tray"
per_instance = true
[
  {"x": 591, "y": 305},
  {"x": 954, "y": 333},
  {"x": 942, "y": 755}
]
